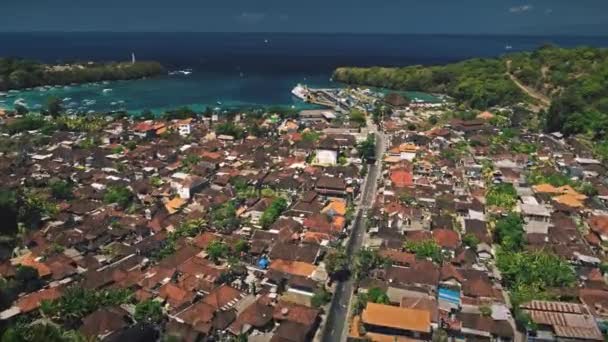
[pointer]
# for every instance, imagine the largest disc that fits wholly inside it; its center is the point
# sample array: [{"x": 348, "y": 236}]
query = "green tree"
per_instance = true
[
  {"x": 149, "y": 311},
  {"x": 224, "y": 218},
  {"x": 377, "y": 295},
  {"x": 470, "y": 240},
  {"x": 530, "y": 274},
  {"x": 336, "y": 261},
  {"x": 509, "y": 232},
  {"x": 425, "y": 249},
  {"x": 357, "y": 117},
  {"x": 320, "y": 298},
  {"x": 217, "y": 250},
  {"x": 272, "y": 213},
  {"x": 366, "y": 260},
  {"x": 367, "y": 148},
  {"x": 311, "y": 136},
  {"x": 120, "y": 195},
  {"x": 77, "y": 302},
  {"x": 62, "y": 189},
  {"x": 241, "y": 246},
  {"x": 501, "y": 195},
  {"x": 54, "y": 106}
]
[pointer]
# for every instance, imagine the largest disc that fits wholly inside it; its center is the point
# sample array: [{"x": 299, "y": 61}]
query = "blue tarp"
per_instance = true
[{"x": 263, "y": 263}]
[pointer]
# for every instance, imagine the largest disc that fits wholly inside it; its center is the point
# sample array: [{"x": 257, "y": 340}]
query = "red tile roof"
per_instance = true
[
  {"x": 32, "y": 301},
  {"x": 402, "y": 178},
  {"x": 446, "y": 238},
  {"x": 222, "y": 296}
]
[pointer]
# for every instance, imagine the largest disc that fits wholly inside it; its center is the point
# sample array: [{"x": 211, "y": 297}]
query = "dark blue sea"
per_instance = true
[{"x": 242, "y": 69}]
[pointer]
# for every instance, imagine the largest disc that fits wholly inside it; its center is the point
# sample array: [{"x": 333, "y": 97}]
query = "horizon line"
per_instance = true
[{"x": 308, "y": 33}]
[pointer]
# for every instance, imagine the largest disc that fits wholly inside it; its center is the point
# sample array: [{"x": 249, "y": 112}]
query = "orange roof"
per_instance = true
[
  {"x": 315, "y": 237},
  {"x": 337, "y": 206},
  {"x": 32, "y": 301},
  {"x": 338, "y": 223},
  {"x": 550, "y": 189},
  {"x": 485, "y": 116},
  {"x": 446, "y": 238},
  {"x": 396, "y": 317},
  {"x": 545, "y": 188},
  {"x": 402, "y": 178},
  {"x": 30, "y": 260},
  {"x": 376, "y": 337},
  {"x": 571, "y": 200},
  {"x": 300, "y": 268},
  {"x": 411, "y": 148},
  {"x": 174, "y": 205},
  {"x": 222, "y": 296},
  {"x": 599, "y": 224}
]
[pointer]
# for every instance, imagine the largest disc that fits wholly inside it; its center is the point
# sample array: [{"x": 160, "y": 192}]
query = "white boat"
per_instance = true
[
  {"x": 508, "y": 47},
  {"x": 300, "y": 92},
  {"x": 107, "y": 90},
  {"x": 185, "y": 72}
]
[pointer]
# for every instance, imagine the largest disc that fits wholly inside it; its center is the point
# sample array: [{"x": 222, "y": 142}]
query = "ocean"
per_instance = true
[{"x": 241, "y": 69}]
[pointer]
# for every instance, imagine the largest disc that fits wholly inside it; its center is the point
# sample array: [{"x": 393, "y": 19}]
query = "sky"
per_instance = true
[{"x": 526, "y": 17}]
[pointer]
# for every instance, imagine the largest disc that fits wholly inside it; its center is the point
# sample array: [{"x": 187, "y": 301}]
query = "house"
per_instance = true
[
  {"x": 535, "y": 212},
  {"x": 257, "y": 210},
  {"x": 326, "y": 157},
  {"x": 183, "y": 127},
  {"x": 188, "y": 186},
  {"x": 104, "y": 322},
  {"x": 316, "y": 115},
  {"x": 331, "y": 186},
  {"x": 401, "y": 178},
  {"x": 394, "y": 322},
  {"x": 599, "y": 225},
  {"x": 562, "y": 321}
]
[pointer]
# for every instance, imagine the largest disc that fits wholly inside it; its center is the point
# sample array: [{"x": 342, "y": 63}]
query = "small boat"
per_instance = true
[
  {"x": 266, "y": 41},
  {"x": 107, "y": 90},
  {"x": 185, "y": 72},
  {"x": 508, "y": 47},
  {"x": 219, "y": 103}
]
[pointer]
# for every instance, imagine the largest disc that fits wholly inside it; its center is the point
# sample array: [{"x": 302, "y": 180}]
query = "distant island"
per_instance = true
[
  {"x": 18, "y": 74},
  {"x": 566, "y": 87}
]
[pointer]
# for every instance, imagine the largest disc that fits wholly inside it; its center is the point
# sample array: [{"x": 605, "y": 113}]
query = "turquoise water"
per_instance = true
[
  {"x": 241, "y": 69},
  {"x": 198, "y": 91}
]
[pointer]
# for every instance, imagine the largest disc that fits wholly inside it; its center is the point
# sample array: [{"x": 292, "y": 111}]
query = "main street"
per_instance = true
[{"x": 337, "y": 317}]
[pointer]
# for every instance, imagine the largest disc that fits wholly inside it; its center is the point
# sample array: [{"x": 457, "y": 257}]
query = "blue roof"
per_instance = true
[{"x": 448, "y": 295}]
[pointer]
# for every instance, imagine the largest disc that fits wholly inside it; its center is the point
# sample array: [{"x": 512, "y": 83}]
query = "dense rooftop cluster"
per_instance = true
[
  {"x": 198, "y": 228},
  {"x": 482, "y": 232}
]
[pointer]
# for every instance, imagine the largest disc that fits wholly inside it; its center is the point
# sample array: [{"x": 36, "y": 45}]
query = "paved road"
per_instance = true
[{"x": 337, "y": 319}]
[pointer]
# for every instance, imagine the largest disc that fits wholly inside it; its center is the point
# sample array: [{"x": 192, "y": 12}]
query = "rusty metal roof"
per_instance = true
[
  {"x": 568, "y": 320},
  {"x": 563, "y": 307}
]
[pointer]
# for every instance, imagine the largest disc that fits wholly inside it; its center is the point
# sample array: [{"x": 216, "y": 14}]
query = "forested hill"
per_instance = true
[
  {"x": 20, "y": 73},
  {"x": 574, "y": 80}
]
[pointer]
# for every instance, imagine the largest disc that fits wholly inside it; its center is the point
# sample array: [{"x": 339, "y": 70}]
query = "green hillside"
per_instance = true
[{"x": 571, "y": 83}]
